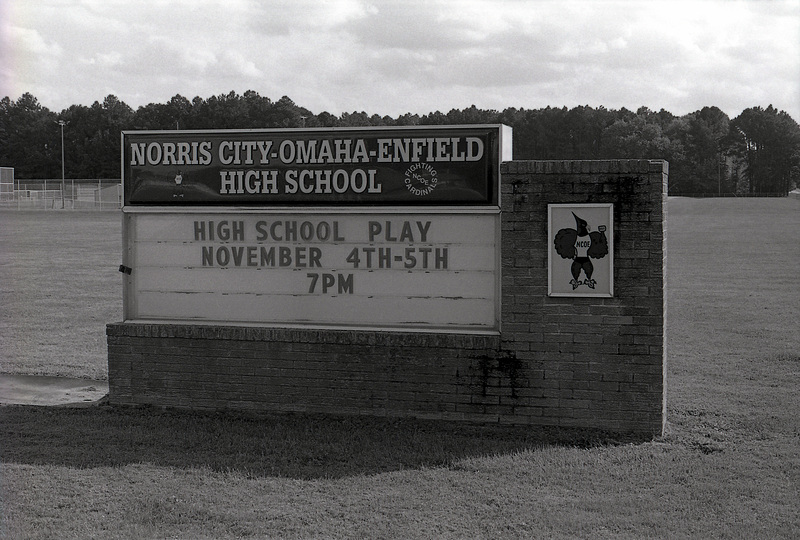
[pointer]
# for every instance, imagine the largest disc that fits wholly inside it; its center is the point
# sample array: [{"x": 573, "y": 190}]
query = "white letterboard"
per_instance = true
[{"x": 419, "y": 270}]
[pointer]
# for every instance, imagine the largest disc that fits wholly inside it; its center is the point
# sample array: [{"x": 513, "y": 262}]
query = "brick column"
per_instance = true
[{"x": 593, "y": 362}]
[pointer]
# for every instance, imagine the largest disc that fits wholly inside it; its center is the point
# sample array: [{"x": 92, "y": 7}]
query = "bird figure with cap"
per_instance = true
[{"x": 581, "y": 245}]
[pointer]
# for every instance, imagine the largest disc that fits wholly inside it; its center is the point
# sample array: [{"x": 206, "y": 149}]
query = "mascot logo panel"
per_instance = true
[{"x": 580, "y": 258}]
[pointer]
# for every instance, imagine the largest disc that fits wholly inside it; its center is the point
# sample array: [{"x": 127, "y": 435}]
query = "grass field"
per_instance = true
[
  {"x": 59, "y": 287},
  {"x": 728, "y": 466}
]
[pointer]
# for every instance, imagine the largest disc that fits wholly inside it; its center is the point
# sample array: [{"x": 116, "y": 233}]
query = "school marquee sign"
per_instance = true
[
  {"x": 453, "y": 166},
  {"x": 382, "y": 228}
]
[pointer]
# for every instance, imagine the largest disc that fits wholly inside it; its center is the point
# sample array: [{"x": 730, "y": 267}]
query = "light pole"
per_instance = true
[
  {"x": 719, "y": 165},
  {"x": 62, "y": 123}
]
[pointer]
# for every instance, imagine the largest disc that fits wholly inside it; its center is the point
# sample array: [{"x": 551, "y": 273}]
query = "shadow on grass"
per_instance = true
[{"x": 292, "y": 446}]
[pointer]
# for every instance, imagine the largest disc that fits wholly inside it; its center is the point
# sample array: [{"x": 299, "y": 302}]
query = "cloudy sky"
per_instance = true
[{"x": 418, "y": 56}]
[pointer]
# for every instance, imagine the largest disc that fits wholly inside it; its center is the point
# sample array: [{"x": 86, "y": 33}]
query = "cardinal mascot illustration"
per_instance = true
[{"x": 581, "y": 246}]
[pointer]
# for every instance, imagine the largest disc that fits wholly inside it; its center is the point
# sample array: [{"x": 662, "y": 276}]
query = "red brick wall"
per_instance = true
[
  {"x": 595, "y": 362},
  {"x": 581, "y": 362}
]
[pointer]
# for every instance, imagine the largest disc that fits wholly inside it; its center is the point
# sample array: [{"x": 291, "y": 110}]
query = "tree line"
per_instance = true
[{"x": 758, "y": 152}]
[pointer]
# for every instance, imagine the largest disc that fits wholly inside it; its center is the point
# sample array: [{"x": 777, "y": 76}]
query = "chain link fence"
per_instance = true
[{"x": 53, "y": 194}]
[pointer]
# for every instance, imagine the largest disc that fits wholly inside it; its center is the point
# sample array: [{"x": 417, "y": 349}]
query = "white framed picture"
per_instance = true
[{"x": 581, "y": 250}]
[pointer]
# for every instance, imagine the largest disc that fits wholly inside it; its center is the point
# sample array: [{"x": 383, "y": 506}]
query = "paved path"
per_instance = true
[{"x": 36, "y": 390}]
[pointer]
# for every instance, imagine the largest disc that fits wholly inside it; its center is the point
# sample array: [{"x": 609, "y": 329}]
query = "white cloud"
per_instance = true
[
  {"x": 237, "y": 65},
  {"x": 389, "y": 57},
  {"x": 104, "y": 60},
  {"x": 29, "y": 42}
]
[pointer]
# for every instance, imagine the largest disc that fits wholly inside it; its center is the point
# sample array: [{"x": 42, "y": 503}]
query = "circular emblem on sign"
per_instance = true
[{"x": 421, "y": 179}]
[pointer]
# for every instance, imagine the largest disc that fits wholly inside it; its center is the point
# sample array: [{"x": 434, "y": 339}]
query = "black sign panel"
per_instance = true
[{"x": 360, "y": 166}]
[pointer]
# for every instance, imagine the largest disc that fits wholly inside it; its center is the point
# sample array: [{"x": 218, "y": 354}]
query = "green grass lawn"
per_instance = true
[
  {"x": 59, "y": 287},
  {"x": 728, "y": 466}
]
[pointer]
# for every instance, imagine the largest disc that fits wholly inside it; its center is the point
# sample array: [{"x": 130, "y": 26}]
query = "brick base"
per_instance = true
[{"x": 386, "y": 374}]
